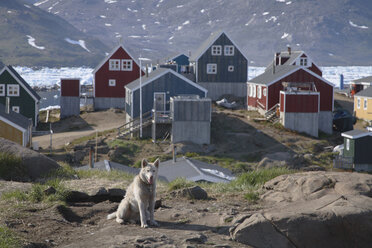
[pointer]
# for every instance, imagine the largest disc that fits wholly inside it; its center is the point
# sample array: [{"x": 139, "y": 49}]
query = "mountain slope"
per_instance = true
[
  {"x": 333, "y": 32},
  {"x": 34, "y": 37}
]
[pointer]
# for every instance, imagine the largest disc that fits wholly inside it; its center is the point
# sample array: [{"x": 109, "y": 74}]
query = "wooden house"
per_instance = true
[
  {"x": 357, "y": 149},
  {"x": 220, "y": 66},
  {"x": 23, "y": 99},
  {"x": 264, "y": 90},
  {"x": 360, "y": 84},
  {"x": 179, "y": 63},
  {"x": 15, "y": 127},
  {"x": 70, "y": 97},
  {"x": 157, "y": 89},
  {"x": 363, "y": 104},
  {"x": 118, "y": 69}
]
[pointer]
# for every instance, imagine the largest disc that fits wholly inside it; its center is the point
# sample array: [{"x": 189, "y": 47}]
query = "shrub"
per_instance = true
[{"x": 8, "y": 239}]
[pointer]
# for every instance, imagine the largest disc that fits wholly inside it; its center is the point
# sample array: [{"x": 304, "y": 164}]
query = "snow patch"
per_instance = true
[
  {"x": 357, "y": 26},
  {"x": 103, "y": 16},
  {"x": 134, "y": 36},
  {"x": 288, "y": 3},
  {"x": 273, "y": 18},
  {"x": 179, "y": 28},
  {"x": 285, "y": 35},
  {"x": 281, "y": 1},
  {"x": 40, "y": 3},
  {"x": 27, "y": 6},
  {"x": 144, "y": 26},
  {"x": 179, "y": 6},
  {"x": 202, "y": 11},
  {"x": 108, "y": 24},
  {"x": 110, "y": 1},
  {"x": 265, "y": 13},
  {"x": 186, "y": 22},
  {"x": 171, "y": 38},
  {"x": 31, "y": 41},
  {"x": 79, "y": 42}
]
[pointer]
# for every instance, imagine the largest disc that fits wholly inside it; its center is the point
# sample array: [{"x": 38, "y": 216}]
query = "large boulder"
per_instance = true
[
  {"x": 34, "y": 164},
  {"x": 312, "y": 209}
]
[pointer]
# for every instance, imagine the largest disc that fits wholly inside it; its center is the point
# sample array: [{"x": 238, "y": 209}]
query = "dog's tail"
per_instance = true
[{"x": 111, "y": 216}]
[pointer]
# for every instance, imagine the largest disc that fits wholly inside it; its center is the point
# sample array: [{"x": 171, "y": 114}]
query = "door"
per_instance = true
[{"x": 159, "y": 101}]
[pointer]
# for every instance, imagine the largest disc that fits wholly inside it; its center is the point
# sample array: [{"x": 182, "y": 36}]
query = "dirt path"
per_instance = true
[{"x": 69, "y": 129}]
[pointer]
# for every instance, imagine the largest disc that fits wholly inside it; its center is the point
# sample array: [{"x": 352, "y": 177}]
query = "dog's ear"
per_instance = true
[
  {"x": 144, "y": 163},
  {"x": 157, "y": 162}
]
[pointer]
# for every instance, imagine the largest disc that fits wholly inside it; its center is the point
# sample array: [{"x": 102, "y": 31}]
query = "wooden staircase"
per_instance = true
[{"x": 271, "y": 114}]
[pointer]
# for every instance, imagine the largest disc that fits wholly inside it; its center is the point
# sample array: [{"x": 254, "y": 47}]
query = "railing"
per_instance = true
[
  {"x": 341, "y": 162},
  {"x": 260, "y": 105},
  {"x": 161, "y": 116},
  {"x": 134, "y": 123}
]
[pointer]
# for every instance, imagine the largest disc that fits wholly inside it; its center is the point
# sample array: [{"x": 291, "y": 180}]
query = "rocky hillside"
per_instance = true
[
  {"x": 34, "y": 37},
  {"x": 337, "y": 32}
]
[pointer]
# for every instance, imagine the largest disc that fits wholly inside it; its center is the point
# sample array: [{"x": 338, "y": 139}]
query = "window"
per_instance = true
[
  {"x": 259, "y": 91},
  {"x": 303, "y": 61},
  {"x": 127, "y": 96},
  {"x": 358, "y": 103},
  {"x": 229, "y": 50},
  {"x": 13, "y": 90},
  {"x": 112, "y": 82},
  {"x": 254, "y": 91},
  {"x": 365, "y": 103},
  {"x": 15, "y": 109},
  {"x": 126, "y": 65},
  {"x": 264, "y": 92},
  {"x": 2, "y": 89},
  {"x": 230, "y": 68},
  {"x": 347, "y": 144},
  {"x": 114, "y": 64},
  {"x": 216, "y": 50},
  {"x": 211, "y": 68}
]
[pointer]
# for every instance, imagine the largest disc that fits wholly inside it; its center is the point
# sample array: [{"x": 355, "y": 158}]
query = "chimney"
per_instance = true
[
  {"x": 7, "y": 105},
  {"x": 174, "y": 154},
  {"x": 147, "y": 70},
  {"x": 289, "y": 50}
]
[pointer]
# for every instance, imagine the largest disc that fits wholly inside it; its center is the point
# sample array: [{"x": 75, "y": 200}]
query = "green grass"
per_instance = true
[
  {"x": 8, "y": 239},
  {"x": 111, "y": 175},
  {"x": 11, "y": 167},
  {"x": 90, "y": 137},
  {"x": 180, "y": 183},
  {"x": 36, "y": 193}
]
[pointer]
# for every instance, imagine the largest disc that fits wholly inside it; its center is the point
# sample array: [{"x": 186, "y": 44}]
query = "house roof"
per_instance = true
[
  {"x": 133, "y": 86},
  {"x": 110, "y": 54},
  {"x": 17, "y": 120},
  {"x": 208, "y": 42},
  {"x": 363, "y": 80},
  {"x": 21, "y": 81},
  {"x": 355, "y": 134},
  {"x": 281, "y": 71},
  {"x": 194, "y": 170},
  {"x": 171, "y": 57},
  {"x": 292, "y": 57},
  {"x": 366, "y": 92}
]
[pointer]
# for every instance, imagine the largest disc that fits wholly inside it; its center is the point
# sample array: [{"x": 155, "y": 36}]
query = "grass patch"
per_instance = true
[
  {"x": 111, "y": 175},
  {"x": 252, "y": 196},
  {"x": 180, "y": 183},
  {"x": 11, "y": 167},
  {"x": 64, "y": 172},
  {"x": 124, "y": 151},
  {"x": 8, "y": 239},
  {"x": 36, "y": 194},
  {"x": 90, "y": 137}
]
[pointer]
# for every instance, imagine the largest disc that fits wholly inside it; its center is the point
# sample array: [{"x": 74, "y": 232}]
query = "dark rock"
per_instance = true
[
  {"x": 50, "y": 190},
  {"x": 158, "y": 204},
  {"x": 76, "y": 196},
  {"x": 195, "y": 192},
  {"x": 116, "y": 194},
  {"x": 197, "y": 239}
]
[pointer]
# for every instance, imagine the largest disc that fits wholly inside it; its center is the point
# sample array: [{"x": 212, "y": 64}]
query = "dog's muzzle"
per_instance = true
[{"x": 150, "y": 180}]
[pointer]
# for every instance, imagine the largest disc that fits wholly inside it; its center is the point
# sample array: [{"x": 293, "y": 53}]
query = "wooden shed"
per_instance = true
[
  {"x": 70, "y": 97},
  {"x": 15, "y": 127},
  {"x": 357, "y": 147},
  {"x": 118, "y": 69}
]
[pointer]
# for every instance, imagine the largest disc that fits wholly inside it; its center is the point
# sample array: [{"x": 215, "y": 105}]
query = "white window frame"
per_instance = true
[
  {"x": 230, "y": 68},
  {"x": 229, "y": 50},
  {"x": 365, "y": 103},
  {"x": 211, "y": 68},
  {"x": 216, "y": 50},
  {"x": 112, "y": 82},
  {"x": 2, "y": 89},
  {"x": 127, "y": 96},
  {"x": 259, "y": 92},
  {"x": 114, "y": 64},
  {"x": 9, "y": 86},
  {"x": 264, "y": 92},
  {"x": 15, "y": 109},
  {"x": 250, "y": 90},
  {"x": 303, "y": 61},
  {"x": 254, "y": 91},
  {"x": 358, "y": 102},
  {"x": 126, "y": 65},
  {"x": 347, "y": 144}
]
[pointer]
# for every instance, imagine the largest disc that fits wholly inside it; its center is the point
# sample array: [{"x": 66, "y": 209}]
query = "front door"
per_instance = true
[{"x": 159, "y": 101}]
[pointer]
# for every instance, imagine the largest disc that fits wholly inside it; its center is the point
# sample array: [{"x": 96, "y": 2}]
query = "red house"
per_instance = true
[
  {"x": 118, "y": 69},
  {"x": 291, "y": 67}
]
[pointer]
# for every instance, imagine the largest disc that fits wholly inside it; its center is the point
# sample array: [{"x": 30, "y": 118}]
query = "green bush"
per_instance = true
[
  {"x": 8, "y": 239},
  {"x": 11, "y": 167}
]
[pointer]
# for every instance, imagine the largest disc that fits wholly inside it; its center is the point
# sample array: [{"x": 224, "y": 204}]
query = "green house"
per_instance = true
[
  {"x": 358, "y": 148},
  {"x": 23, "y": 99}
]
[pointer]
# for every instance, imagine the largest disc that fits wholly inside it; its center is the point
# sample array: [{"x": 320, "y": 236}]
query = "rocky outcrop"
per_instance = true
[
  {"x": 312, "y": 209},
  {"x": 33, "y": 163}
]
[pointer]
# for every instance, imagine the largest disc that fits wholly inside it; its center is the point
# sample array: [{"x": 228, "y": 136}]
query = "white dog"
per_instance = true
[{"x": 139, "y": 200}]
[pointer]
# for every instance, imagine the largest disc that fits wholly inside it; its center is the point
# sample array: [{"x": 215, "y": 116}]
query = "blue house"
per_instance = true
[
  {"x": 179, "y": 62},
  {"x": 220, "y": 66},
  {"x": 157, "y": 89}
]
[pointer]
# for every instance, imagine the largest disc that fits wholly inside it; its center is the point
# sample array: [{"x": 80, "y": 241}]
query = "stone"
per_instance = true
[
  {"x": 311, "y": 209},
  {"x": 195, "y": 192},
  {"x": 197, "y": 239},
  {"x": 76, "y": 196},
  {"x": 313, "y": 168},
  {"x": 50, "y": 190}
]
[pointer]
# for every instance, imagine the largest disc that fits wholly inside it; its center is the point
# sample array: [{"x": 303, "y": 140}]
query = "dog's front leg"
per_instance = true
[
  {"x": 142, "y": 210},
  {"x": 152, "y": 208}
]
